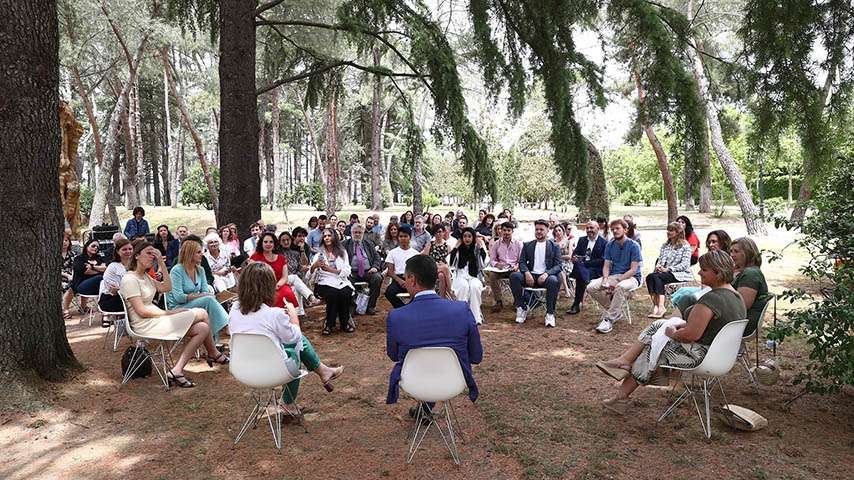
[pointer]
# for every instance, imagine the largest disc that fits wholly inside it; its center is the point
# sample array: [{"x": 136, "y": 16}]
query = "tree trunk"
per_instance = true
[
  {"x": 93, "y": 122},
  {"x": 789, "y": 198},
  {"x": 752, "y": 220},
  {"x": 102, "y": 186},
  {"x": 196, "y": 138},
  {"x": 169, "y": 161},
  {"x": 690, "y": 184},
  {"x": 140, "y": 159},
  {"x": 318, "y": 163},
  {"x": 29, "y": 197},
  {"x": 297, "y": 142},
  {"x": 597, "y": 202},
  {"x": 238, "y": 134},
  {"x": 332, "y": 152},
  {"x": 277, "y": 155},
  {"x": 155, "y": 170},
  {"x": 129, "y": 172},
  {"x": 706, "y": 185},
  {"x": 214, "y": 135},
  {"x": 376, "y": 137}
]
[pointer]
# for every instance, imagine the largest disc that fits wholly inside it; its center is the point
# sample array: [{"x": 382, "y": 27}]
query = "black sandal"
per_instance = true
[
  {"x": 171, "y": 377},
  {"x": 326, "y": 331},
  {"x": 212, "y": 360},
  {"x": 348, "y": 329}
]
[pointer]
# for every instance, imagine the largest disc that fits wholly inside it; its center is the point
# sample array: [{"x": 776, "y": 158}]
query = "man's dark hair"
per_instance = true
[
  {"x": 139, "y": 210},
  {"x": 193, "y": 238},
  {"x": 254, "y": 224},
  {"x": 601, "y": 219},
  {"x": 353, "y": 216},
  {"x": 424, "y": 269},
  {"x": 542, "y": 222},
  {"x": 404, "y": 229},
  {"x": 299, "y": 230},
  {"x": 463, "y": 216},
  {"x": 322, "y": 217}
]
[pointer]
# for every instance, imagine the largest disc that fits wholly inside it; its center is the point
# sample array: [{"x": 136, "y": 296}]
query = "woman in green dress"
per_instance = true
[
  {"x": 749, "y": 280},
  {"x": 686, "y": 345}
]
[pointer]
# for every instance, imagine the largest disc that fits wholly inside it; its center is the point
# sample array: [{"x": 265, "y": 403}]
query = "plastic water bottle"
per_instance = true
[{"x": 772, "y": 343}]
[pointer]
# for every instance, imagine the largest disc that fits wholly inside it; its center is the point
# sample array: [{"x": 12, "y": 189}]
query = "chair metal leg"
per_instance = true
[
  {"x": 119, "y": 332},
  {"x": 133, "y": 366},
  {"x": 259, "y": 405},
  {"x": 112, "y": 326},
  {"x": 743, "y": 360},
  {"x": 684, "y": 395},
  {"x": 441, "y": 413}
]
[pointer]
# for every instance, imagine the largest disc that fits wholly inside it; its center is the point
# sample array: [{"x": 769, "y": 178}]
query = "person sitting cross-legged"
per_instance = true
[
  {"x": 504, "y": 255},
  {"x": 673, "y": 265},
  {"x": 539, "y": 266},
  {"x": 365, "y": 264},
  {"x": 396, "y": 261},
  {"x": 587, "y": 260},
  {"x": 620, "y": 274}
]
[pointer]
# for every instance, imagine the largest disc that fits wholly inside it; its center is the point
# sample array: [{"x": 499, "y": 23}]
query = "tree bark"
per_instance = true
[
  {"x": 102, "y": 186},
  {"x": 129, "y": 172},
  {"x": 197, "y": 140},
  {"x": 81, "y": 90},
  {"x": 332, "y": 152},
  {"x": 706, "y": 185},
  {"x": 597, "y": 202},
  {"x": 318, "y": 163},
  {"x": 297, "y": 143},
  {"x": 238, "y": 134},
  {"x": 155, "y": 170},
  {"x": 752, "y": 220},
  {"x": 376, "y": 137},
  {"x": 33, "y": 336},
  {"x": 277, "y": 154},
  {"x": 140, "y": 159}
]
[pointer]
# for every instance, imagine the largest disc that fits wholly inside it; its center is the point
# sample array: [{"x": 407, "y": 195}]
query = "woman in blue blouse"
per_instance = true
[{"x": 190, "y": 289}]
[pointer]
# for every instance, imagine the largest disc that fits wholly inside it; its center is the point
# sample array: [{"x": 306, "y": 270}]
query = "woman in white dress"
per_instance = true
[
  {"x": 138, "y": 290},
  {"x": 219, "y": 259},
  {"x": 467, "y": 261}
]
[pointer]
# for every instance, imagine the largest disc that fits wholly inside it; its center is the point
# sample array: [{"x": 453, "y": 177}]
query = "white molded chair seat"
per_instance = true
[
  {"x": 433, "y": 374},
  {"x": 92, "y": 309},
  {"x": 117, "y": 324},
  {"x": 257, "y": 363},
  {"x": 718, "y": 361},
  {"x": 159, "y": 350}
]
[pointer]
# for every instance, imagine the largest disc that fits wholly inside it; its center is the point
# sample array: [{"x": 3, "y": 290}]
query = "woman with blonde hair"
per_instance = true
[
  {"x": 673, "y": 265},
  {"x": 251, "y": 313},
  {"x": 749, "y": 279},
  {"x": 190, "y": 290},
  {"x": 138, "y": 290}
]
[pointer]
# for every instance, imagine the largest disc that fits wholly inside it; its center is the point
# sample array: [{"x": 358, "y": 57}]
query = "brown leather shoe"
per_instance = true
[
  {"x": 497, "y": 307},
  {"x": 370, "y": 311}
]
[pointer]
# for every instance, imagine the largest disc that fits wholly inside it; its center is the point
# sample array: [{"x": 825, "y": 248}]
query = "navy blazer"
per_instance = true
[
  {"x": 597, "y": 255},
  {"x": 172, "y": 251},
  {"x": 431, "y": 321},
  {"x": 553, "y": 260}
]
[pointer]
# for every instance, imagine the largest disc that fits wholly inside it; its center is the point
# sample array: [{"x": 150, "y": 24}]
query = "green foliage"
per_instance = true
[
  {"x": 87, "y": 196},
  {"x": 194, "y": 190},
  {"x": 633, "y": 174},
  {"x": 310, "y": 194},
  {"x": 428, "y": 200},
  {"x": 828, "y": 236}
]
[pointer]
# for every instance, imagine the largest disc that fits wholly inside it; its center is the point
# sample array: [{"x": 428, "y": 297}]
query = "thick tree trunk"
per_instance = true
[
  {"x": 102, "y": 186},
  {"x": 197, "y": 140},
  {"x": 376, "y": 137},
  {"x": 318, "y": 163},
  {"x": 169, "y": 160},
  {"x": 706, "y": 185},
  {"x": 752, "y": 220},
  {"x": 332, "y": 152},
  {"x": 277, "y": 155},
  {"x": 597, "y": 202},
  {"x": 33, "y": 333},
  {"x": 238, "y": 134},
  {"x": 155, "y": 170}
]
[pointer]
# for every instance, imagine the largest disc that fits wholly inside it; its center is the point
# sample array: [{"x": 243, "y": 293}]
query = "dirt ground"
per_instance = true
[{"x": 538, "y": 415}]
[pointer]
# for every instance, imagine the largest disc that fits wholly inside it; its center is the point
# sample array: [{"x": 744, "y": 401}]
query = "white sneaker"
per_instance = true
[
  {"x": 521, "y": 315},
  {"x": 480, "y": 321},
  {"x": 605, "y": 326},
  {"x": 550, "y": 320}
]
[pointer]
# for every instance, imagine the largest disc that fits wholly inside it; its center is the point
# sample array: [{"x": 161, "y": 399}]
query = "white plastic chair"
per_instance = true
[
  {"x": 433, "y": 374},
  {"x": 117, "y": 325},
  {"x": 159, "y": 351},
  {"x": 718, "y": 361},
  {"x": 743, "y": 352},
  {"x": 257, "y": 363},
  {"x": 92, "y": 309}
]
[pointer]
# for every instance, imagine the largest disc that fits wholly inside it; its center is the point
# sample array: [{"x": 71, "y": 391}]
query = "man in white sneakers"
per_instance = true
[
  {"x": 539, "y": 266},
  {"x": 620, "y": 274}
]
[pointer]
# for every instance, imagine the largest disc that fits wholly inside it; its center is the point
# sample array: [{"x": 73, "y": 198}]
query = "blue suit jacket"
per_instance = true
[
  {"x": 431, "y": 321},
  {"x": 172, "y": 251},
  {"x": 597, "y": 255},
  {"x": 553, "y": 260}
]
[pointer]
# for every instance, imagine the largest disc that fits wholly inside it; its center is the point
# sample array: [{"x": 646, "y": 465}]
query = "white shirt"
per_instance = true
[
  {"x": 398, "y": 258},
  {"x": 540, "y": 257},
  {"x": 272, "y": 322},
  {"x": 112, "y": 277},
  {"x": 342, "y": 264},
  {"x": 249, "y": 245}
]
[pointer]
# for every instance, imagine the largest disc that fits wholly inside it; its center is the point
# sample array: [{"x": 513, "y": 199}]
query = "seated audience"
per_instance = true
[
  {"x": 718, "y": 240},
  {"x": 438, "y": 250},
  {"x": 219, "y": 261},
  {"x": 633, "y": 231},
  {"x": 138, "y": 290},
  {"x": 354, "y": 219},
  {"x": 430, "y": 321},
  {"x": 89, "y": 268},
  {"x": 396, "y": 265},
  {"x": 687, "y": 344},
  {"x": 408, "y": 219},
  {"x": 229, "y": 242},
  {"x": 673, "y": 265},
  {"x": 539, "y": 267},
  {"x": 162, "y": 239},
  {"x": 455, "y": 225},
  {"x": 265, "y": 252},
  {"x": 371, "y": 235},
  {"x": 378, "y": 227},
  {"x": 67, "y": 272},
  {"x": 190, "y": 289},
  {"x": 296, "y": 260},
  {"x": 252, "y": 314},
  {"x": 467, "y": 261},
  {"x": 485, "y": 227},
  {"x": 620, "y": 273},
  {"x": 391, "y": 240},
  {"x": 420, "y": 236},
  {"x": 508, "y": 215},
  {"x": 340, "y": 227},
  {"x": 481, "y": 214},
  {"x": 136, "y": 225},
  {"x": 174, "y": 248},
  {"x": 691, "y": 237},
  {"x": 565, "y": 244},
  {"x": 315, "y": 236},
  {"x": 462, "y": 222},
  {"x": 299, "y": 244},
  {"x": 108, "y": 299},
  {"x": 435, "y": 222},
  {"x": 333, "y": 284},
  {"x": 504, "y": 255},
  {"x": 365, "y": 264},
  {"x": 602, "y": 220},
  {"x": 250, "y": 245},
  {"x": 587, "y": 261}
]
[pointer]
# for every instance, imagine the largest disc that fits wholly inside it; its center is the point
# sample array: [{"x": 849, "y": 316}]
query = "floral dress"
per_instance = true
[
  {"x": 67, "y": 267},
  {"x": 439, "y": 253},
  {"x": 567, "y": 265}
]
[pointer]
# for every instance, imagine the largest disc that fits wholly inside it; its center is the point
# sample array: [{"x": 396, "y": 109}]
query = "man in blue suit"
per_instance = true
[
  {"x": 587, "y": 260},
  {"x": 539, "y": 266},
  {"x": 173, "y": 249},
  {"x": 430, "y": 321}
]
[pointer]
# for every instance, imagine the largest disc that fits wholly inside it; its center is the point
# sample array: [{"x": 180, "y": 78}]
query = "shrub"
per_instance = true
[
  {"x": 310, "y": 194},
  {"x": 194, "y": 190},
  {"x": 627, "y": 198},
  {"x": 827, "y": 235},
  {"x": 87, "y": 197}
]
